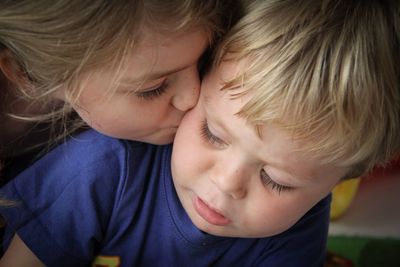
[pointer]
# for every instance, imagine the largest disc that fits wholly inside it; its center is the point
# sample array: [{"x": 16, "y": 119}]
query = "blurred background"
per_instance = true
[{"x": 365, "y": 220}]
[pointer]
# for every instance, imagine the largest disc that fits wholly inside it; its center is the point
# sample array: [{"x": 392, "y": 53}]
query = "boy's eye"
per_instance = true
[
  {"x": 152, "y": 93},
  {"x": 266, "y": 179},
  {"x": 210, "y": 137}
]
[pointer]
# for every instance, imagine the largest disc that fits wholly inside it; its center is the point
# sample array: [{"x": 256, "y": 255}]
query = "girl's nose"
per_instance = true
[
  {"x": 185, "y": 99},
  {"x": 187, "y": 93}
]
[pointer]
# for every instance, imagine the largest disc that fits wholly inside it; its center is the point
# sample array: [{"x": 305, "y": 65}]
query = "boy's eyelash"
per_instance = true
[
  {"x": 153, "y": 93},
  {"x": 265, "y": 178},
  {"x": 208, "y": 135},
  {"x": 271, "y": 183}
]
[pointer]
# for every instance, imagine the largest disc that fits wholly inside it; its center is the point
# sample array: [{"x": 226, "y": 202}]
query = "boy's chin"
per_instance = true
[{"x": 224, "y": 231}]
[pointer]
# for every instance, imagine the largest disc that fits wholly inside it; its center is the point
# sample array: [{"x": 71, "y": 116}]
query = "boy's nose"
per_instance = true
[{"x": 232, "y": 183}]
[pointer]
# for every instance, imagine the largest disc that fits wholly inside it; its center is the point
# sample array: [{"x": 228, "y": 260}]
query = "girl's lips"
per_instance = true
[{"x": 209, "y": 214}]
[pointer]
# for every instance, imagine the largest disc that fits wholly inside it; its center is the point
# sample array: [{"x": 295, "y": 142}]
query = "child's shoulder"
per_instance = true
[
  {"x": 90, "y": 141},
  {"x": 92, "y": 155},
  {"x": 87, "y": 165},
  {"x": 91, "y": 146}
]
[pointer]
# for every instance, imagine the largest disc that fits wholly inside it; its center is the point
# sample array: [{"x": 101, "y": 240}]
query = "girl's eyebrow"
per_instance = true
[
  {"x": 160, "y": 74},
  {"x": 151, "y": 76}
]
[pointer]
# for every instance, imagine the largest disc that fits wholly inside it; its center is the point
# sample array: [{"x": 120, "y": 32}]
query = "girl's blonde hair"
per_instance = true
[
  {"x": 328, "y": 71},
  {"x": 55, "y": 41}
]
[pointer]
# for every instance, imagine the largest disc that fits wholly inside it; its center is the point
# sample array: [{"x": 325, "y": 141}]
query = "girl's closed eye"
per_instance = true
[
  {"x": 153, "y": 92},
  {"x": 267, "y": 181},
  {"x": 210, "y": 137}
]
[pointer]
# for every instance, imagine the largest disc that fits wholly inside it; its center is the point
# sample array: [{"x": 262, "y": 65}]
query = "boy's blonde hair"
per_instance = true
[
  {"x": 54, "y": 42},
  {"x": 328, "y": 71}
]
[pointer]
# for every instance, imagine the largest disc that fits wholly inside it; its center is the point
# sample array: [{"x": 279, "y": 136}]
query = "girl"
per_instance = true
[{"x": 128, "y": 68}]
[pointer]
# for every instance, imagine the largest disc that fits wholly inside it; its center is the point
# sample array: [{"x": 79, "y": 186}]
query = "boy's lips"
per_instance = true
[{"x": 209, "y": 214}]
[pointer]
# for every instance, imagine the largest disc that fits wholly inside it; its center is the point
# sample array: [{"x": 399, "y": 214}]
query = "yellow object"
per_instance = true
[{"x": 342, "y": 196}]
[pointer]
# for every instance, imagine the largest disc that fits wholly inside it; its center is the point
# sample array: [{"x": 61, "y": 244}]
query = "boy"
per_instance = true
[{"x": 299, "y": 98}]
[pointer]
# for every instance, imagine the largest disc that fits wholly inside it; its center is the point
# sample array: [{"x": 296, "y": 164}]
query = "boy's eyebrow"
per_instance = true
[
  {"x": 258, "y": 130},
  {"x": 214, "y": 119},
  {"x": 293, "y": 176},
  {"x": 232, "y": 87},
  {"x": 257, "y": 127},
  {"x": 206, "y": 99}
]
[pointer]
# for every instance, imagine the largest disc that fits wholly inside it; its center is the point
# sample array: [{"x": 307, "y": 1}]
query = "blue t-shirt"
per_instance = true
[{"x": 108, "y": 202}]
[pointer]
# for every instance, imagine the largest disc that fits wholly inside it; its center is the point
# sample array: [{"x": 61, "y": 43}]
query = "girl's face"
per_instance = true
[{"x": 160, "y": 83}]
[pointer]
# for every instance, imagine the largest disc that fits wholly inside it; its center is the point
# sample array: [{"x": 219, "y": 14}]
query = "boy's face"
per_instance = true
[
  {"x": 233, "y": 183},
  {"x": 160, "y": 84}
]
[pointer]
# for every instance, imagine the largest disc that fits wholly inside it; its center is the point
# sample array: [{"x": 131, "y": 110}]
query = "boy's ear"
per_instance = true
[{"x": 10, "y": 68}]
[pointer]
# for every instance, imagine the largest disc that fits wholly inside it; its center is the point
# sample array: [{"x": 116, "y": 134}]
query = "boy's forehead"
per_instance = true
[
  {"x": 232, "y": 66},
  {"x": 222, "y": 109}
]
